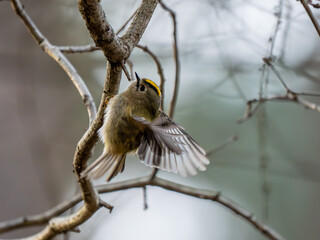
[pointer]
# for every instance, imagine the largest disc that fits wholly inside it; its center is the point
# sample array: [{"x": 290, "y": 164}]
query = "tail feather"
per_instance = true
[
  {"x": 118, "y": 167},
  {"x": 114, "y": 164},
  {"x": 90, "y": 168},
  {"x": 103, "y": 167}
]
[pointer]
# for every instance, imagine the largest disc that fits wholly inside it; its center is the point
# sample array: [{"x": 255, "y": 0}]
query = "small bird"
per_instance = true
[{"x": 133, "y": 122}]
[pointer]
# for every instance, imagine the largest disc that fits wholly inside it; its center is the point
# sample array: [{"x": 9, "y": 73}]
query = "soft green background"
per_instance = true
[{"x": 221, "y": 46}]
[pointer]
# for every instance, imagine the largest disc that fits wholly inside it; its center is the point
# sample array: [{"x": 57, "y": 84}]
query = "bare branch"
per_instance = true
[
  {"x": 125, "y": 70},
  {"x": 270, "y": 65},
  {"x": 106, "y": 205},
  {"x": 315, "y": 5},
  {"x": 289, "y": 97},
  {"x": 160, "y": 70},
  {"x": 56, "y": 54},
  {"x": 39, "y": 219},
  {"x": 78, "y": 49},
  {"x": 311, "y": 16},
  {"x": 101, "y": 31},
  {"x": 308, "y": 93},
  {"x": 139, "y": 23},
  {"x": 168, "y": 185},
  {"x": 194, "y": 192},
  {"x": 176, "y": 59},
  {"x": 145, "y": 201}
]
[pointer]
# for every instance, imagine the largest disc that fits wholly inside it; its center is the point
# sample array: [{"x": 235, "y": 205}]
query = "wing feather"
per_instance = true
[{"x": 166, "y": 145}]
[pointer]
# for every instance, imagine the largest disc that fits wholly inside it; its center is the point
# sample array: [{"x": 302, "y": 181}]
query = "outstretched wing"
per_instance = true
[{"x": 166, "y": 145}]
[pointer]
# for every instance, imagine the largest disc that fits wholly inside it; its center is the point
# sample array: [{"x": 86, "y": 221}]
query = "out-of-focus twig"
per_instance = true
[
  {"x": 315, "y": 5},
  {"x": 57, "y": 55},
  {"x": 289, "y": 97},
  {"x": 145, "y": 199},
  {"x": 222, "y": 146},
  {"x": 270, "y": 65},
  {"x": 311, "y": 16}
]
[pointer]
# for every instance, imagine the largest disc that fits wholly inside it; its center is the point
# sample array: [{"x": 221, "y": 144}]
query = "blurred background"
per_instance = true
[{"x": 272, "y": 170}]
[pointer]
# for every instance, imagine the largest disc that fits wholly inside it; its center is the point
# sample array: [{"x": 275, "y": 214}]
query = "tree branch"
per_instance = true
[
  {"x": 291, "y": 96},
  {"x": 115, "y": 49},
  {"x": 78, "y": 49},
  {"x": 160, "y": 70},
  {"x": 311, "y": 16},
  {"x": 139, "y": 23},
  {"x": 165, "y": 184},
  {"x": 101, "y": 31},
  {"x": 57, "y": 55},
  {"x": 176, "y": 59}
]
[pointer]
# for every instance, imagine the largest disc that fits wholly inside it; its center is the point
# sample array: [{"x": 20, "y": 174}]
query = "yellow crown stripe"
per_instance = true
[{"x": 154, "y": 85}]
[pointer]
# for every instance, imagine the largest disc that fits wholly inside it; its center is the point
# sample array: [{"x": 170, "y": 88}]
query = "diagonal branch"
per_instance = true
[
  {"x": 311, "y": 16},
  {"x": 57, "y": 55},
  {"x": 139, "y": 23},
  {"x": 115, "y": 49}
]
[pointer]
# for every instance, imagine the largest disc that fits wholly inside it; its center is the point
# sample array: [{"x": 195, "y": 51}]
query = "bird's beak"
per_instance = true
[{"x": 138, "y": 80}]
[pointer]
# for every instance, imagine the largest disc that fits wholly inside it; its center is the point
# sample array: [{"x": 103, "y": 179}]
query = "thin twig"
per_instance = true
[
  {"x": 159, "y": 68},
  {"x": 176, "y": 59},
  {"x": 311, "y": 16},
  {"x": 78, "y": 49},
  {"x": 56, "y": 54},
  {"x": 106, "y": 205},
  {"x": 315, "y": 5},
  {"x": 125, "y": 70},
  {"x": 249, "y": 111},
  {"x": 308, "y": 93},
  {"x": 127, "y": 22},
  {"x": 270, "y": 65},
  {"x": 222, "y": 146},
  {"x": 145, "y": 201},
  {"x": 265, "y": 71},
  {"x": 130, "y": 64}
]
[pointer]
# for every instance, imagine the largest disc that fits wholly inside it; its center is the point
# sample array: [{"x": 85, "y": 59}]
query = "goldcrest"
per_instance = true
[{"x": 133, "y": 122}]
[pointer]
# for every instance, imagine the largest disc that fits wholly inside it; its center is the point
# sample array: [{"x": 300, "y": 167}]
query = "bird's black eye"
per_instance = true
[{"x": 142, "y": 88}]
